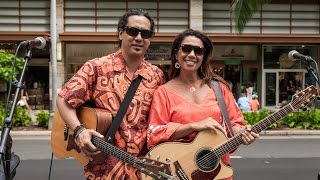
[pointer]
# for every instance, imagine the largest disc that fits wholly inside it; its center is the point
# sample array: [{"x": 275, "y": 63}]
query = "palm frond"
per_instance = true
[{"x": 243, "y": 10}]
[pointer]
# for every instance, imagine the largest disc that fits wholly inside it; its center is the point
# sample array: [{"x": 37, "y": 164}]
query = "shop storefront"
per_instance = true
[
  {"x": 36, "y": 76},
  {"x": 239, "y": 65},
  {"x": 282, "y": 77}
]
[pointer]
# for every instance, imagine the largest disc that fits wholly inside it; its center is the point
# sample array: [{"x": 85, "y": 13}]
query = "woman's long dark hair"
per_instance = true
[{"x": 204, "y": 72}]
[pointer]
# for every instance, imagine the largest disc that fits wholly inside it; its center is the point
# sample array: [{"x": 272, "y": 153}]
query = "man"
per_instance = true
[{"x": 104, "y": 81}]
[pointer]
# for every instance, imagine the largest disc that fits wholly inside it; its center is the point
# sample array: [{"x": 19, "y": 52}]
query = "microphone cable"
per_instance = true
[{"x": 50, "y": 166}]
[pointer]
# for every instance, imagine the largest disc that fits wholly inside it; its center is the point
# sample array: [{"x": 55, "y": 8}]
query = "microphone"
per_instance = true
[
  {"x": 38, "y": 42},
  {"x": 295, "y": 55}
]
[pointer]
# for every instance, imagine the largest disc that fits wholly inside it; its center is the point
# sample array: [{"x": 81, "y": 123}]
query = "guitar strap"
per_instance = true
[
  {"x": 123, "y": 109},
  {"x": 222, "y": 104}
]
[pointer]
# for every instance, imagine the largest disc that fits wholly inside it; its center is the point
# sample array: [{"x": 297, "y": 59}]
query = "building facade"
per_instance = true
[{"x": 87, "y": 29}]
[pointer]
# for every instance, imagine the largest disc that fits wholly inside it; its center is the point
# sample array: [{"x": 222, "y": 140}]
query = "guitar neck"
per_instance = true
[
  {"x": 114, "y": 151},
  {"x": 236, "y": 141}
]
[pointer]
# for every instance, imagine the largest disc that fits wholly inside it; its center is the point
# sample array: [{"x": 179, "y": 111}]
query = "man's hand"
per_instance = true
[{"x": 84, "y": 142}]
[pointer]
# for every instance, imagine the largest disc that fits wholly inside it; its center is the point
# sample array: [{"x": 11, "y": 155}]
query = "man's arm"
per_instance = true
[
  {"x": 83, "y": 140},
  {"x": 67, "y": 113}
]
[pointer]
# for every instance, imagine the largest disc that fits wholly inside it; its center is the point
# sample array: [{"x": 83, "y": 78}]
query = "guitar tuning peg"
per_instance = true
[
  {"x": 149, "y": 154},
  {"x": 158, "y": 157}
]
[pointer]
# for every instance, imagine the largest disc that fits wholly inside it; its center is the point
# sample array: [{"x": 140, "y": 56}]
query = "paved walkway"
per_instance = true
[{"x": 263, "y": 133}]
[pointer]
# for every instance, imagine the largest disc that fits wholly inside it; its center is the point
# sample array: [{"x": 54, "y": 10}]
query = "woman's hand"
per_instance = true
[
  {"x": 84, "y": 142},
  {"x": 248, "y": 136},
  {"x": 208, "y": 123}
]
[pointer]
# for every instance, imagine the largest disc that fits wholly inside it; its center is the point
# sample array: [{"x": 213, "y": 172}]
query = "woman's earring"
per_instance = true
[{"x": 177, "y": 65}]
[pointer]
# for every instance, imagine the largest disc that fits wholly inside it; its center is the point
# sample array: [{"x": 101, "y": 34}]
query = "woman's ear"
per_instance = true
[
  {"x": 120, "y": 32},
  {"x": 176, "y": 54}
]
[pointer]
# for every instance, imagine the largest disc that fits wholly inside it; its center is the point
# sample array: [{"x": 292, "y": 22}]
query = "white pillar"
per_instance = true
[
  {"x": 196, "y": 15},
  {"x": 53, "y": 32}
]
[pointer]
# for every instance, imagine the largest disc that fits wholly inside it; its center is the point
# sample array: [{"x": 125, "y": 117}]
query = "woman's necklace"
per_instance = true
[
  {"x": 192, "y": 89},
  {"x": 192, "y": 86}
]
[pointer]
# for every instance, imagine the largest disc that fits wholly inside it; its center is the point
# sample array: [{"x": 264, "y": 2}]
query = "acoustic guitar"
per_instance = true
[
  {"x": 201, "y": 158},
  {"x": 64, "y": 146}
]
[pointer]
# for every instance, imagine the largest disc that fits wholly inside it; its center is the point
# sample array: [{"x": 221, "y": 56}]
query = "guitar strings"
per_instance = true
[
  {"x": 215, "y": 156},
  {"x": 122, "y": 155}
]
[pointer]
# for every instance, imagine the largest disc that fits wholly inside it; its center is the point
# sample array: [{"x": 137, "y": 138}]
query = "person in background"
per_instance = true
[
  {"x": 24, "y": 98},
  {"x": 291, "y": 89},
  {"x": 244, "y": 102},
  {"x": 104, "y": 82},
  {"x": 187, "y": 103},
  {"x": 254, "y": 103},
  {"x": 249, "y": 90}
]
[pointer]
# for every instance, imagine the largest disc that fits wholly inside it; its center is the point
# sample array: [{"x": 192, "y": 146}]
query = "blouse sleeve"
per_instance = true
[
  {"x": 160, "y": 128},
  {"x": 79, "y": 88},
  {"x": 233, "y": 109}
]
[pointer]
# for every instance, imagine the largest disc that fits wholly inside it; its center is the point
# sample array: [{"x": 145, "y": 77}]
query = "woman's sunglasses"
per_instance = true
[
  {"x": 132, "y": 31},
  {"x": 186, "y": 48}
]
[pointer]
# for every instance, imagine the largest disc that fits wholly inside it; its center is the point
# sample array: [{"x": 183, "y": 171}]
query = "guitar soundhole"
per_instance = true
[{"x": 206, "y": 160}]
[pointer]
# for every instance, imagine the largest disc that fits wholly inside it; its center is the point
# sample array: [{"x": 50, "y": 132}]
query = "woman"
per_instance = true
[{"x": 187, "y": 104}]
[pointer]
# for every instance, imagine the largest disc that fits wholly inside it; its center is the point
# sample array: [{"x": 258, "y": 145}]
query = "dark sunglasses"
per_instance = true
[
  {"x": 186, "y": 48},
  {"x": 132, "y": 31}
]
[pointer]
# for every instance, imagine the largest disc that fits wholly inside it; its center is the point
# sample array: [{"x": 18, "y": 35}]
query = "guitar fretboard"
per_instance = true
[
  {"x": 236, "y": 141},
  {"x": 110, "y": 149}
]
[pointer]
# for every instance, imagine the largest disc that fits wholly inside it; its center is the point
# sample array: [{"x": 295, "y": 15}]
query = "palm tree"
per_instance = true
[{"x": 243, "y": 11}]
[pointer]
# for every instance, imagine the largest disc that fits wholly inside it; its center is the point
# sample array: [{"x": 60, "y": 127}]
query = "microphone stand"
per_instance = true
[
  {"x": 310, "y": 70},
  {"x": 5, "y": 148}
]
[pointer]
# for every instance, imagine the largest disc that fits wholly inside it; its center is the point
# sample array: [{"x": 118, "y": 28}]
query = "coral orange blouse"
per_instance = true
[{"x": 170, "y": 110}]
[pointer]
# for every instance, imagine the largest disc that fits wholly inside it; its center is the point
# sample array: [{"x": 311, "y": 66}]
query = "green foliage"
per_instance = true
[
  {"x": 300, "y": 119},
  {"x": 243, "y": 10},
  {"x": 6, "y": 60},
  {"x": 43, "y": 118},
  {"x": 20, "y": 116},
  {"x": 303, "y": 119}
]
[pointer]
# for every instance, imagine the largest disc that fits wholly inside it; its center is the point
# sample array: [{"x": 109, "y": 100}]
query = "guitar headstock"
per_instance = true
[
  {"x": 153, "y": 168},
  {"x": 304, "y": 97}
]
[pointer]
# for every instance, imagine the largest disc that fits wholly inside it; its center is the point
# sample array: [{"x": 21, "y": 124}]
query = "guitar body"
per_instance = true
[
  {"x": 200, "y": 159},
  {"x": 184, "y": 156},
  {"x": 62, "y": 142}
]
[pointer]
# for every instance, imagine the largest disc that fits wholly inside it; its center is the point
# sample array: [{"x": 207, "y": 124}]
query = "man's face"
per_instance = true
[{"x": 135, "y": 44}]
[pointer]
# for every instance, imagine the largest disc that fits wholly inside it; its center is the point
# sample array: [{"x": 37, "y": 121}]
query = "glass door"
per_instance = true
[
  {"x": 270, "y": 89},
  {"x": 280, "y": 86}
]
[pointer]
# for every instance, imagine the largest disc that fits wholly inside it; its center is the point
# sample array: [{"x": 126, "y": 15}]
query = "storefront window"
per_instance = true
[
  {"x": 276, "y": 57},
  {"x": 238, "y": 65},
  {"x": 36, "y": 76},
  {"x": 78, "y": 53},
  {"x": 159, "y": 54},
  {"x": 285, "y": 77}
]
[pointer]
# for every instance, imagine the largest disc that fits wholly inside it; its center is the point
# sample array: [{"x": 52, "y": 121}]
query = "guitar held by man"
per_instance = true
[{"x": 64, "y": 146}]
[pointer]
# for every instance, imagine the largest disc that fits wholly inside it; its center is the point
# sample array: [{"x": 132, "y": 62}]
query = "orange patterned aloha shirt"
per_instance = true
[{"x": 104, "y": 81}]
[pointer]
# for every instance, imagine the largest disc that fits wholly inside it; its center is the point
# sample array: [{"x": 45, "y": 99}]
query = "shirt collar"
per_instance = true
[{"x": 119, "y": 65}]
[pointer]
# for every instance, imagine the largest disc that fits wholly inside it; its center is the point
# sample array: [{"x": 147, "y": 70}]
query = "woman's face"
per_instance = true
[{"x": 190, "y": 54}]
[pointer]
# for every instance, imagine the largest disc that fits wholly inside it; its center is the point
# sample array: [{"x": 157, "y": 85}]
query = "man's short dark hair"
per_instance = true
[{"x": 131, "y": 12}]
